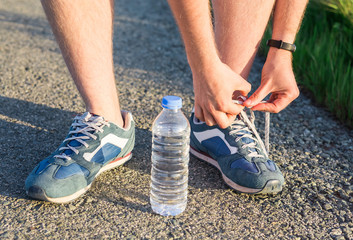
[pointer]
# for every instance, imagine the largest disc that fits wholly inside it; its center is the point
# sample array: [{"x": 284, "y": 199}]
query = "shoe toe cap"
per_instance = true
[
  {"x": 36, "y": 193},
  {"x": 254, "y": 175},
  {"x": 46, "y": 185}
]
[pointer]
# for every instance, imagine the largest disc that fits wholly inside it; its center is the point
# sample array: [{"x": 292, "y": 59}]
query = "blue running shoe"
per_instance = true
[
  {"x": 239, "y": 154},
  {"x": 92, "y": 146}
]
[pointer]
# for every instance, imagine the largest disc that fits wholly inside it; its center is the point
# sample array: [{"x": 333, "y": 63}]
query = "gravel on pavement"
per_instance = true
[{"x": 38, "y": 101}]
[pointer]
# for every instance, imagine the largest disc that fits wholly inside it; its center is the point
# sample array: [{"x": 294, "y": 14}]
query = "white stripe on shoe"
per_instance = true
[{"x": 204, "y": 135}]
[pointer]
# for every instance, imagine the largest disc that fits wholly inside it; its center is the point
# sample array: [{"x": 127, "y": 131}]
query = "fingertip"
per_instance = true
[
  {"x": 222, "y": 120},
  {"x": 199, "y": 113},
  {"x": 210, "y": 124},
  {"x": 222, "y": 126},
  {"x": 201, "y": 118},
  {"x": 247, "y": 103}
]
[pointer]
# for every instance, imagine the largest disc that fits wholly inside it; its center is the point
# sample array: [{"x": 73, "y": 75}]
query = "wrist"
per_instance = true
[
  {"x": 201, "y": 64},
  {"x": 284, "y": 35},
  {"x": 280, "y": 54},
  {"x": 281, "y": 45}
]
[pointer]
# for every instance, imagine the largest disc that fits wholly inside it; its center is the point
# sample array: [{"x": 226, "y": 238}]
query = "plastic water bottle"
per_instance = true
[{"x": 170, "y": 159}]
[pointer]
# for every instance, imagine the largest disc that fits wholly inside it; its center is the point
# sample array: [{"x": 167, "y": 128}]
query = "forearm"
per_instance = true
[
  {"x": 277, "y": 74},
  {"x": 194, "y": 22},
  {"x": 287, "y": 19}
]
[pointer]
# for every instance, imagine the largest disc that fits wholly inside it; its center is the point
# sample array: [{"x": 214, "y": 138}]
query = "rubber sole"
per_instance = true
[
  {"x": 271, "y": 186},
  {"x": 38, "y": 193}
]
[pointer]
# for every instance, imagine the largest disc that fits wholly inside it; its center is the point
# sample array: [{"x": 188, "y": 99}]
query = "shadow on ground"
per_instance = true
[{"x": 29, "y": 132}]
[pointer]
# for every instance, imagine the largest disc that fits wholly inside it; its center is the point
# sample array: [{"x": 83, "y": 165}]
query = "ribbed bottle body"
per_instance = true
[{"x": 170, "y": 158}]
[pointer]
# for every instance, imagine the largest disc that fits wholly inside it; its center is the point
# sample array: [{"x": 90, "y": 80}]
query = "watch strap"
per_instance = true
[{"x": 281, "y": 45}]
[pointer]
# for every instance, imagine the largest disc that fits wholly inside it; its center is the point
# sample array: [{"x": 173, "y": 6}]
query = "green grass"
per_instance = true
[
  {"x": 323, "y": 62},
  {"x": 344, "y": 8}
]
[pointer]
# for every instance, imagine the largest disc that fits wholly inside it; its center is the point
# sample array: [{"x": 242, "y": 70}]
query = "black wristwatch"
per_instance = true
[{"x": 281, "y": 45}]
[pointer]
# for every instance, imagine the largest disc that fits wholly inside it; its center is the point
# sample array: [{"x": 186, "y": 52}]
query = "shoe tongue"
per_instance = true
[{"x": 86, "y": 117}]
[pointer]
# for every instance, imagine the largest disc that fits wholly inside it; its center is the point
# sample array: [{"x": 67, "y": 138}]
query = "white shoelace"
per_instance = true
[
  {"x": 244, "y": 131},
  {"x": 83, "y": 128}
]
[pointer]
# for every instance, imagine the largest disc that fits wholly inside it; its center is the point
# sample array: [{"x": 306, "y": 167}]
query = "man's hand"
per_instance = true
[
  {"x": 214, "y": 88},
  {"x": 214, "y": 82},
  {"x": 277, "y": 78}
]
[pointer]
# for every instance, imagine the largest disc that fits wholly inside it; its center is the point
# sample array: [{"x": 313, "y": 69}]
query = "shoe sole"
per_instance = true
[
  {"x": 38, "y": 193},
  {"x": 271, "y": 187}
]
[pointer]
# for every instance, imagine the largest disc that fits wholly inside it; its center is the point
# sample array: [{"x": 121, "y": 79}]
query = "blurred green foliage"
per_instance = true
[{"x": 323, "y": 62}]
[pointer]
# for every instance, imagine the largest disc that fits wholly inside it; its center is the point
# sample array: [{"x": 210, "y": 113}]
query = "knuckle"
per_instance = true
[
  {"x": 220, "y": 106},
  {"x": 209, "y": 106},
  {"x": 297, "y": 93},
  {"x": 248, "y": 87},
  {"x": 293, "y": 94}
]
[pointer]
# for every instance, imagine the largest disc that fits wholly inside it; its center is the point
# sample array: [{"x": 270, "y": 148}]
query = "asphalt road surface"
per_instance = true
[{"x": 38, "y": 101}]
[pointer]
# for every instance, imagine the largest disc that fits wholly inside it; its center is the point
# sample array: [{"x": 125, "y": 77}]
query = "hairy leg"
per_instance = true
[
  {"x": 83, "y": 30},
  {"x": 239, "y": 26}
]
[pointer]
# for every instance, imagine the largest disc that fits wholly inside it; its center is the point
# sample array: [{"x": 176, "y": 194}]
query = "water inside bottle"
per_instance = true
[{"x": 170, "y": 158}]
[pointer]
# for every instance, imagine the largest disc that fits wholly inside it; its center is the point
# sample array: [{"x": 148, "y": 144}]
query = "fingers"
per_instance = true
[
  {"x": 276, "y": 104},
  {"x": 204, "y": 116},
  {"x": 257, "y": 96},
  {"x": 242, "y": 90},
  {"x": 272, "y": 107},
  {"x": 220, "y": 118},
  {"x": 199, "y": 113},
  {"x": 209, "y": 120},
  {"x": 225, "y": 114},
  {"x": 231, "y": 108},
  {"x": 278, "y": 100},
  {"x": 247, "y": 89},
  {"x": 231, "y": 118}
]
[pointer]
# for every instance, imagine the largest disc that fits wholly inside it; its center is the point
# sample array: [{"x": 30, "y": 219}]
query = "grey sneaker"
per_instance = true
[
  {"x": 92, "y": 146},
  {"x": 239, "y": 154}
]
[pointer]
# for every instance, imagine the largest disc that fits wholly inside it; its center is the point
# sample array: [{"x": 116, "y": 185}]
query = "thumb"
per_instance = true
[{"x": 257, "y": 96}]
